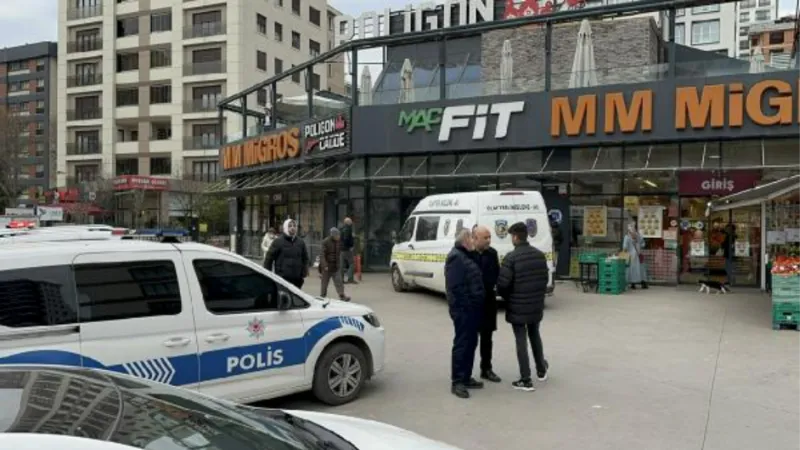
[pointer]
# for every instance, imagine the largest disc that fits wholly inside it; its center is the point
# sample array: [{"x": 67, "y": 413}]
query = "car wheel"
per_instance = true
[
  {"x": 398, "y": 283},
  {"x": 340, "y": 374}
]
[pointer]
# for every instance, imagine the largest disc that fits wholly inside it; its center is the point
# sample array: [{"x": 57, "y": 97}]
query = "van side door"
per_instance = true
[
  {"x": 248, "y": 347},
  {"x": 403, "y": 253},
  {"x": 430, "y": 252},
  {"x": 136, "y": 316},
  {"x": 39, "y": 315}
]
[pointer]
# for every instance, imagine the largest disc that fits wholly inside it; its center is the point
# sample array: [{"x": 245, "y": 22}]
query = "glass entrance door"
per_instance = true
[{"x": 746, "y": 246}]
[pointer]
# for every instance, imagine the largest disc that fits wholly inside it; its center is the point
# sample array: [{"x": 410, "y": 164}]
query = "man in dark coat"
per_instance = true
[
  {"x": 465, "y": 295},
  {"x": 348, "y": 255},
  {"x": 287, "y": 255},
  {"x": 329, "y": 264},
  {"x": 523, "y": 283},
  {"x": 489, "y": 264}
]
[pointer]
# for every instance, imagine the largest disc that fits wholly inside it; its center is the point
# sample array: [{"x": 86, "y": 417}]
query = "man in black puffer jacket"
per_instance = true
[
  {"x": 288, "y": 256},
  {"x": 522, "y": 284},
  {"x": 465, "y": 295}
]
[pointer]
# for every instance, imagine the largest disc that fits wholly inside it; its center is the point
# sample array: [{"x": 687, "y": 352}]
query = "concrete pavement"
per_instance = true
[{"x": 665, "y": 368}]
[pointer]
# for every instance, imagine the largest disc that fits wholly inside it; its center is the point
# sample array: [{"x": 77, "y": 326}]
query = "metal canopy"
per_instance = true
[{"x": 758, "y": 194}]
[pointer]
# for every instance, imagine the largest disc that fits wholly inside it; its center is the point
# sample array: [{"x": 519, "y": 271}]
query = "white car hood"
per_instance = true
[
  {"x": 371, "y": 435},
  {"x": 346, "y": 308}
]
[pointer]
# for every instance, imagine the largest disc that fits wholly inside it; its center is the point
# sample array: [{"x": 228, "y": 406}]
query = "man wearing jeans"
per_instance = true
[
  {"x": 523, "y": 284},
  {"x": 348, "y": 242}
]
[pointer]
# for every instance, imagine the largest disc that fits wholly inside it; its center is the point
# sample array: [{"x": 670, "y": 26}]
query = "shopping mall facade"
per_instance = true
[{"x": 662, "y": 131}]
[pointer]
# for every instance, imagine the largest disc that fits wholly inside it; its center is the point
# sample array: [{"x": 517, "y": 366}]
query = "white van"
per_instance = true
[
  {"x": 428, "y": 235},
  {"x": 185, "y": 314}
]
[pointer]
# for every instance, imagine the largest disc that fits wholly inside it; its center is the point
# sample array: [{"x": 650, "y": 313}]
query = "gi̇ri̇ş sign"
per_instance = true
[{"x": 326, "y": 137}]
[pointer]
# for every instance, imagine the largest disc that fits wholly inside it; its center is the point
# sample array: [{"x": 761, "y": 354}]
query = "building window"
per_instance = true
[
  {"x": 40, "y": 64},
  {"x": 127, "y": 166},
  {"x": 161, "y": 166},
  {"x": 17, "y": 86},
  {"x": 128, "y": 26},
  {"x": 161, "y": 21},
  {"x": 296, "y": 40},
  {"x": 127, "y": 290},
  {"x": 314, "y": 48},
  {"x": 17, "y": 66},
  {"x": 127, "y": 61},
  {"x": 279, "y": 3},
  {"x": 744, "y": 31},
  {"x": 747, "y": 4},
  {"x": 39, "y": 106},
  {"x": 706, "y": 9},
  {"x": 705, "y": 32},
  {"x": 680, "y": 33},
  {"x": 744, "y": 45},
  {"x": 205, "y": 170},
  {"x": 39, "y": 129},
  {"x": 86, "y": 173},
  {"x": 680, "y": 12},
  {"x": 776, "y": 38},
  {"x": 40, "y": 85},
  {"x": 160, "y": 57},
  {"x": 744, "y": 17},
  {"x": 278, "y": 66},
  {"x": 762, "y": 15},
  {"x": 764, "y": 2},
  {"x": 331, "y": 20},
  {"x": 315, "y": 82},
  {"x": 160, "y": 94},
  {"x": 261, "y": 97},
  {"x": 39, "y": 171},
  {"x": 295, "y": 76},
  {"x": 754, "y": 42},
  {"x": 128, "y": 96},
  {"x": 278, "y": 31},
  {"x": 314, "y": 16},
  {"x": 261, "y": 60},
  {"x": 296, "y": 7},
  {"x": 160, "y": 131},
  {"x": 261, "y": 24}
]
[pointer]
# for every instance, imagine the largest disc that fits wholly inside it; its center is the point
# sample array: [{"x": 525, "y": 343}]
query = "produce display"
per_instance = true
[{"x": 786, "y": 265}]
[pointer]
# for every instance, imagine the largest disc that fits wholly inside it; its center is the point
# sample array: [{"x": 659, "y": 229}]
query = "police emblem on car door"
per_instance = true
[{"x": 501, "y": 228}]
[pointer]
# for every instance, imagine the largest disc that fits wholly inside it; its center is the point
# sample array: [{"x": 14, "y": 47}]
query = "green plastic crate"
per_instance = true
[
  {"x": 786, "y": 288},
  {"x": 610, "y": 290},
  {"x": 785, "y": 313},
  {"x": 591, "y": 257}
]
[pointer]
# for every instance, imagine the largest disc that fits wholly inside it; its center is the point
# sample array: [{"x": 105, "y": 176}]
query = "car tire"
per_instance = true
[
  {"x": 351, "y": 362},
  {"x": 398, "y": 283}
]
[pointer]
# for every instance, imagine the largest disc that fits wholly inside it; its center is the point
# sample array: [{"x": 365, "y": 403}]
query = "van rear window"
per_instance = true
[{"x": 37, "y": 296}]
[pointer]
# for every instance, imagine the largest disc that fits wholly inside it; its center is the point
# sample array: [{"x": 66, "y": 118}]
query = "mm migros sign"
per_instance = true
[{"x": 472, "y": 117}]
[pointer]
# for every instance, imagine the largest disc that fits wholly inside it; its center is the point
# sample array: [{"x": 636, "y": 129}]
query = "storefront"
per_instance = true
[{"x": 654, "y": 153}]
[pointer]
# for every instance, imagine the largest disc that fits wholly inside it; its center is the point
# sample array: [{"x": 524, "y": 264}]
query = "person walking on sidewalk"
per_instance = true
[
  {"x": 489, "y": 264},
  {"x": 348, "y": 257},
  {"x": 329, "y": 267},
  {"x": 523, "y": 283},
  {"x": 288, "y": 256}
]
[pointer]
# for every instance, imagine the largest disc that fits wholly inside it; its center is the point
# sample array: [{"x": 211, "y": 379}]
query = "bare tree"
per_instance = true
[
  {"x": 189, "y": 194},
  {"x": 13, "y": 142},
  {"x": 93, "y": 195}
]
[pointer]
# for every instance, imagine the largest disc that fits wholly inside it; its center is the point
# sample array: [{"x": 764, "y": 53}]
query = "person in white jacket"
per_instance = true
[{"x": 269, "y": 236}]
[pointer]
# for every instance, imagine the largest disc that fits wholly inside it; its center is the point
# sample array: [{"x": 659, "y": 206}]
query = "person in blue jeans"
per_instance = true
[
  {"x": 347, "y": 265},
  {"x": 728, "y": 247}
]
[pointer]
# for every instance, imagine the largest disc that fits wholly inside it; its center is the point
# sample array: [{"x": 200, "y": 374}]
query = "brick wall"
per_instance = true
[{"x": 625, "y": 51}]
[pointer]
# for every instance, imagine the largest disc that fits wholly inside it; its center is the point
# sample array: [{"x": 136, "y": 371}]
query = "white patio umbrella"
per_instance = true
[
  {"x": 757, "y": 61},
  {"x": 366, "y": 87},
  {"x": 407, "y": 82},
  {"x": 506, "y": 69},
  {"x": 584, "y": 72}
]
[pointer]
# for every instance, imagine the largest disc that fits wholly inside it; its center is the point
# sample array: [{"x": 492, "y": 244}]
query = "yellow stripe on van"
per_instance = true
[{"x": 438, "y": 257}]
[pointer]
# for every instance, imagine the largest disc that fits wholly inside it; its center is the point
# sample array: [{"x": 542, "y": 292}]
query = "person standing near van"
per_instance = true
[
  {"x": 288, "y": 256},
  {"x": 348, "y": 243},
  {"x": 489, "y": 263},
  {"x": 329, "y": 264},
  {"x": 523, "y": 283},
  {"x": 465, "y": 296}
]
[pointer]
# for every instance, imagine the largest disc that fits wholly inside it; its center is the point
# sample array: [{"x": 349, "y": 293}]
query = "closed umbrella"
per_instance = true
[
  {"x": 366, "y": 87},
  {"x": 757, "y": 61},
  {"x": 584, "y": 73},
  {"x": 407, "y": 82},
  {"x": 506, "y": 69}
]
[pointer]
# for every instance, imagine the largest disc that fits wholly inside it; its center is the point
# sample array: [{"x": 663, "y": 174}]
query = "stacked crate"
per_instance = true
[
  {"x": 612, "y": 276},
  {"x": 785, "y": 301}
]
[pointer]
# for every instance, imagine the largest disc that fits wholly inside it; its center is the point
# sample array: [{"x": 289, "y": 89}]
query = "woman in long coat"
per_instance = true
[{"x": 633, "y": 244}]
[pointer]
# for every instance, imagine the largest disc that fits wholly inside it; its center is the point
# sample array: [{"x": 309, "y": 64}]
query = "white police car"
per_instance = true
[{"x": 185, "y": 314}]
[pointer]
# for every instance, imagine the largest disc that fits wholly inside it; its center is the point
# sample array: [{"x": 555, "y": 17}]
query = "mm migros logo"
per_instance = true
[{"x": 462, "y": 116}]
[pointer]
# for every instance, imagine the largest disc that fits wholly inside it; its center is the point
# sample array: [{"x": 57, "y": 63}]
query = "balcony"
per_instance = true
[
  {"x": 84, "y": 114},
  {"x": 86, "y": 45},
  {"x": 85, "y": 12},
  {"x": 202, "y": 30},
  {"x": 83, "y": 148},
  {"x": 200, "y": 105},
  {"x": 201, "y": 143},
  {"x": 88, "y": 79},
  {"x": 203, "y": 68}
]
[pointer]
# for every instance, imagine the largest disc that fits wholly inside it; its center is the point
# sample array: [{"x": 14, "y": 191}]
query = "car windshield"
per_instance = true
[{"x": 140, "y": 414}]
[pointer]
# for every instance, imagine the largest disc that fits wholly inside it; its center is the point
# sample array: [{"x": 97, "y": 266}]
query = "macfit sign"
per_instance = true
[
  {"x": 727, "y": 107},
  {"x": 319, "y": 138}
]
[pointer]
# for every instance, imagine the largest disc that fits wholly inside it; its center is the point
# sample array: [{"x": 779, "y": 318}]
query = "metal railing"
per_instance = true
[
  {"x": 84, "y": 114},
  {"x": 201, "y": 143},
  {"x": 201, "y": 105},
  {"x": 88, "y": 79},
  {"x": 85, "y": 12},
  {"x": 85, "y": 45},
  {"x": 83, "y": 148},
  {"x": 204, "y": 30},
  {"x": 203, "y": 68}
]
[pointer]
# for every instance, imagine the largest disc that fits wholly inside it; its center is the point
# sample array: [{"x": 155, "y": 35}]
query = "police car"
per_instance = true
[{"x": 184, "y": 314}]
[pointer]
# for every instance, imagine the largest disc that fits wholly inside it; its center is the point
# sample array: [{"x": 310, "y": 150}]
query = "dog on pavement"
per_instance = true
[{"x": 720, "y": 287}]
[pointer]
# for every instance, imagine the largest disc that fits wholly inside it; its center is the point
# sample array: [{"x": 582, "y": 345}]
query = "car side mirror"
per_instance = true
[{"x": 284, "y": 300}]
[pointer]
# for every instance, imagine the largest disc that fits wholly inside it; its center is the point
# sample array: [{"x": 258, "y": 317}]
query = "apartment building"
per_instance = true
[
  {"x": 28, "y": 98},
  {"x": 776, "y": 41},
  {"x": 140, "y": 79}
]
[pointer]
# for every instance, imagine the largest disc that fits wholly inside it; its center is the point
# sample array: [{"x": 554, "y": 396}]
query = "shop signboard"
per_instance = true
[
  {"x": 327, "y": 137},
  {"x": 740, "y": 106},
  {"x": 708, "y": 183},
  {"x": 526, "y": 8},
  {"x": 138, "y": 182}
]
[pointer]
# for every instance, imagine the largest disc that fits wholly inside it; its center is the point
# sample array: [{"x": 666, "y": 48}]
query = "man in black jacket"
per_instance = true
[
  {"x": 489, "y": 264},
  {"x": 348, "y": 244},
  {"x": 523, "y": 283},
  {"x": 465, "y": 295},
  {"x": 287, "y": 255}
]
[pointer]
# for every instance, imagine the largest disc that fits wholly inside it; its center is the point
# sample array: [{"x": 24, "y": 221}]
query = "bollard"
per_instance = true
[{"x": 357, "y": 261}]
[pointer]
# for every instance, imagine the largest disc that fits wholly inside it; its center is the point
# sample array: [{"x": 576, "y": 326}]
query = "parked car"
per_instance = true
[{"x": 116, "y": 408}]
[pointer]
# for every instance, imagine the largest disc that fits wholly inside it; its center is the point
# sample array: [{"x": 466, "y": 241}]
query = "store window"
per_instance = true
[
  {"x": 596, "y": 224},
  {"x": 657, "y": 156},
  {"x": 781, "y": 152},
  {"x": 742, "y": 153},
  {"x": 381, "y": 168},
  {"x": 384, "y": 223},
  {"x": 415, "y": 170},
  {"x": 442, "y": 166},
  {"x": 700, "y": 155}
]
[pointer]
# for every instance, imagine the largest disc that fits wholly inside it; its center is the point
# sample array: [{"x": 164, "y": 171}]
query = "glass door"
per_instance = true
[{"x": 746, "y": 246}]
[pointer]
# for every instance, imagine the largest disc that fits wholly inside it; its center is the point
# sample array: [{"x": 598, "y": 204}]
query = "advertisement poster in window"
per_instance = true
[
  {"x": 651, "y": 221},
  {"x": 595, "y": 221}
]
